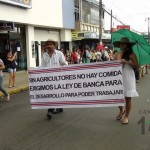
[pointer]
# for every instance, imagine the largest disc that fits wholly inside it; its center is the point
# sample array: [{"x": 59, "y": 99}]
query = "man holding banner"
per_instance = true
[{"x": 53, "y": 58}]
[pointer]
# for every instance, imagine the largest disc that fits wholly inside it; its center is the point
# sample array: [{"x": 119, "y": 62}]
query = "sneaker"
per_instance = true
[
  {"x": 49, "y": 115},
  {"x": 8, "y": 98},
  {"x": 58, "y": 110}
]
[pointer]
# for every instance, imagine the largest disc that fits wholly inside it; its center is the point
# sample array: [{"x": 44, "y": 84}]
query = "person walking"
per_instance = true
[
  {"x": 53, "y": 58},
  {"x": 129, "y": 61},
  {"x": 2, "y": 67}
]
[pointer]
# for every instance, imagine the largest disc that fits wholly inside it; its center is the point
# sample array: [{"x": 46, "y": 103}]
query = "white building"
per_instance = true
[
  {"x": 35, "y": 21},
  {"x": 86, "y": 33}
]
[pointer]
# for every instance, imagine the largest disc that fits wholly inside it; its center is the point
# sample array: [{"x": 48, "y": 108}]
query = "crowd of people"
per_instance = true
[
  {"x": 53, "y": 57},
  {"x": 88, "y": 55},
  {"x": 104, "y": 53}
]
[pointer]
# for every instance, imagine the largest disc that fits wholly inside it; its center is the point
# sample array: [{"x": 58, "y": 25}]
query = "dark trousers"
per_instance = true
[
  {"x": 55, "y": 110},
  {"x": 136, "y": 71},
  {"x": 51, "y": 110}
]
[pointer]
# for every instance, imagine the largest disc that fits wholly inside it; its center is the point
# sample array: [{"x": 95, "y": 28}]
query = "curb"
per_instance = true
[{"x": 16, "y": 90}]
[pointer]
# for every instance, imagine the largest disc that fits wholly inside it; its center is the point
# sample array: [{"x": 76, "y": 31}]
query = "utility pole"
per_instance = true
[
  {"x": 111, "y": 21},
  {"x": 80, "y": 10},
  {"x": 100, "y": 21},
  {"x": 148, "y": 19},
  {"x": 148, "y": 31}
]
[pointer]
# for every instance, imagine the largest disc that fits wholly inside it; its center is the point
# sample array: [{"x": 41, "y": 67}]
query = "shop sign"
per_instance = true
[
  {"x": 123, "y": 27},
  {"x": 74, "y": 34},
  {"x": 81, "y": 35},
  {"x": 106, "y": 36},
  {"x": 77, "y": 35},
  {"x": 89, "y": 35},
  {"x": 84, "y": 35},
  {"x": 21, "y": 3},
  {"x": 7, "y": 26}
]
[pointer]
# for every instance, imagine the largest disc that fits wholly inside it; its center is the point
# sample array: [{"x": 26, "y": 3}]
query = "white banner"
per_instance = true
[{"x": 83, "y": 85}]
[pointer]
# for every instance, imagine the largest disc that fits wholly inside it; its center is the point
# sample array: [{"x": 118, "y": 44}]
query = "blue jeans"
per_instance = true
[{"x": 1, "y": 88}]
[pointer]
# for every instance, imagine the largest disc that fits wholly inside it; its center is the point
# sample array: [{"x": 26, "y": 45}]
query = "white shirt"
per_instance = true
[
  {"x": 106, "y": 54},
  {"x": 1, "y": 63},
  {"x": 98, "y": 55},
  {"x": 57, "y": 59}
]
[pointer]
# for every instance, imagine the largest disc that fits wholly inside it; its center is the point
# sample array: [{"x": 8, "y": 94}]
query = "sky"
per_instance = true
[{"x": 130, "y": 12}]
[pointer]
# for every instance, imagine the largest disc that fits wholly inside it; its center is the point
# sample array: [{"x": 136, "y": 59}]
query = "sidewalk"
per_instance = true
[{"x": 21, "y": 82}]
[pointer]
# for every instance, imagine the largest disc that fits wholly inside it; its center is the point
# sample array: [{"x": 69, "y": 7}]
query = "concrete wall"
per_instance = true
[
  {"x": 65, "y": 35},
  {"x": 29, "y": 38},
  {"x": 42, "y": 13},
  {"x": 68, "y": 14}
]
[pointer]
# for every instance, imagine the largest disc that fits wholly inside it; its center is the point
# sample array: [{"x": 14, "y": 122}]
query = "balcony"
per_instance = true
[{"x": 80, "y": 26}]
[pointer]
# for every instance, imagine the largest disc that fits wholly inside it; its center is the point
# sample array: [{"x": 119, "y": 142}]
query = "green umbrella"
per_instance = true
[{"x": 141, "y": 48}]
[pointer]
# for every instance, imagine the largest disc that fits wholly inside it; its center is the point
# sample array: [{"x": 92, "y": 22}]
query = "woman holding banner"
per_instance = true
[{"x": 129, "y": 61}]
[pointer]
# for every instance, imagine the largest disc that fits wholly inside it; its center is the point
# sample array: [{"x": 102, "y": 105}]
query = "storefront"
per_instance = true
[
  {"x": 14, "y": 40},
  {"x": 32, "y": 29},
  {"x": 87, "y": 39}
]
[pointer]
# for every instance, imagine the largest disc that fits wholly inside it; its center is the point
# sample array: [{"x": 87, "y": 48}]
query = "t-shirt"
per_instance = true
[{"x": 75, "y": 57}]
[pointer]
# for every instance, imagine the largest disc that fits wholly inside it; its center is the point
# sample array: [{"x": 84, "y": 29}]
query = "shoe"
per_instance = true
[
  {"x": 10, "y": 86},
  {"x": 8, "y": 98},
  {"x": 125, "y": 121},
  {"x": 49, "y": 115},
  {"x": 58, "y": 110},
  {"x": 119, "y": 117}
]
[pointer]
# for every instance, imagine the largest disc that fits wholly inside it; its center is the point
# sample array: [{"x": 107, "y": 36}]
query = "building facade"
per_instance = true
[
  {"x": 86, "y": 33},
  {"x": 27, "y": 24}
]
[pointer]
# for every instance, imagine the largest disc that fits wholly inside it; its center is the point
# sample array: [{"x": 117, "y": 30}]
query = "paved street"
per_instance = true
[{"x": 76, "y": 129}]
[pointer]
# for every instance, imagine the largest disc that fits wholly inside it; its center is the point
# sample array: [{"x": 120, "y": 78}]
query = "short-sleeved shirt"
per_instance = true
[
  {"x": 75, "y": 57},
  {"x": 1, "y": 63},
  {"x": 57, "y": 59}
]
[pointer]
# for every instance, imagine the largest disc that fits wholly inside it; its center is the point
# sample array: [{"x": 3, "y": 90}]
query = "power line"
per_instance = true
[{"x": 117, "y": 19}]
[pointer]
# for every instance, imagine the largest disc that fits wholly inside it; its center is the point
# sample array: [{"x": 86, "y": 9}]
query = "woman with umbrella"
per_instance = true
[{"x": 129, "y": 61}]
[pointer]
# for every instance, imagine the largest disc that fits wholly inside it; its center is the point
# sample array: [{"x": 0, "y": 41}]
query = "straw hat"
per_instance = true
[
  {"x": 51, "y": 41},
  {"x": 123, "y": 40}
]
